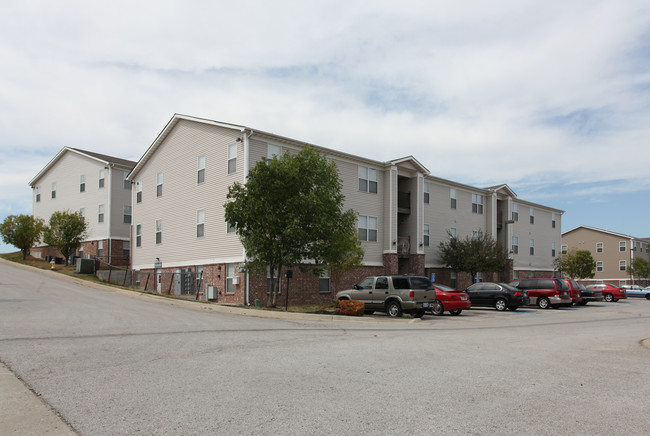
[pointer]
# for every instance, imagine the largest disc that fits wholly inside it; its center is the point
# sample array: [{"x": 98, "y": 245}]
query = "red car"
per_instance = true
[
  {"x": 610, "y": 292},
  {"x": 449, "y": 299},
  {"x": 576, "y": 293}
]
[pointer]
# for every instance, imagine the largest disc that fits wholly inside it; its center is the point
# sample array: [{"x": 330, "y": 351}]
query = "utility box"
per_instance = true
[
  {"x": 212, "y": 292},
  {"x": 85, "y": 266}
]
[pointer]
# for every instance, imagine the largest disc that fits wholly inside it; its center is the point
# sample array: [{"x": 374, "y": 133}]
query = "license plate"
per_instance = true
[
  {"x": 463, "y": 298},
  {"x": 425, "y": 304}
]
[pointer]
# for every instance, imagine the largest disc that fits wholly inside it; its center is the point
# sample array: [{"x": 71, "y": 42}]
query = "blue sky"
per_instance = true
[{"x": 552, "y": 99}]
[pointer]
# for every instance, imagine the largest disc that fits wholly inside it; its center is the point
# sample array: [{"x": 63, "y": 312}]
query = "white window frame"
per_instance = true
[
  {"x": 159, "y": 184},
  {"x": 127, "y": 182},
  {"x": 232, "y": 158},
  {"x": 477, "y": 204},
  {"x": 38, "y": 194},
  {"x": 425, "y": 235},
  {"x": 515, "y": 244},
  {"x": 600, "y": 266},
  {"x": 599, "y": 247},
  {"x": 367, "y": 180},
  {"x": 532, "y": 247},
  {"x": 622, "y": 246},
  {"x": 127, "y": 214},
  {"x": 515, "y": 212},
  {"x": 230, "y": 275},
  {"x": 200, "y": 169},
  {"x": 200, "y": 223},
  {"x": 158, "y": 232},
  {"x": 324, "y": 282},
  {"x": 452, "y": 198},
  {"x": 100, "y": 248},
  {"x": 553, "y": 220},
  {"x": 532, "y": 215},
  {"x": 368, "y": 224},
  {"x": 102, "y": 176},
  {"x": 101, "y": 211},
  {"x": 622, "y": 265},
  {"x": 53, "y": 190},
  {"x": 273, "y": 150},
  {"x": 565, "y": 249},
  {"x": 552, "y": 249},
  {"x": 426, "y": 193},
  {"x": 138, "y": 235},
  {"x": 138, "y": 191},
  {"x": 453, "y": 232},
  {"x": 82, "y": 183}
]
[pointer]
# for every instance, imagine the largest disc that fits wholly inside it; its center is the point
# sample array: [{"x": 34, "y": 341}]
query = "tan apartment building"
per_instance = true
[
  {"x": 613, "y": 253},
  {"x": 95, "y": 185},
  {"x": 181, "y": 243}
]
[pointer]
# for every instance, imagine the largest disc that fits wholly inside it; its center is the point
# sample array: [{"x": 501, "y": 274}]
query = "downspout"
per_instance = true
[
  {"x": 109, "y": 209},
  {"x": 246, "y": 166}
]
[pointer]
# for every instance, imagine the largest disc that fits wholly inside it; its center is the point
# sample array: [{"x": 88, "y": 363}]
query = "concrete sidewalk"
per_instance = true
[{"x": 24, "y": 413}]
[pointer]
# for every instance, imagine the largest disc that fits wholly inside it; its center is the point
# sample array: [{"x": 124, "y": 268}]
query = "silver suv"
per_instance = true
[{"x": 393, "y": 294}]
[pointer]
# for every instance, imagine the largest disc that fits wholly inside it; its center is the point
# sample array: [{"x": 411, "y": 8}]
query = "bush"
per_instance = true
[{"x": 349, "y": 307}]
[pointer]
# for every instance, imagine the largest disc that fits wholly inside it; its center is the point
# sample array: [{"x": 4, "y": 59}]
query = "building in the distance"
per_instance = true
[
  {"x": 182, "y": 244},
  {"x": 613, "y": 253},
  {"x": 95, "y": 185}
]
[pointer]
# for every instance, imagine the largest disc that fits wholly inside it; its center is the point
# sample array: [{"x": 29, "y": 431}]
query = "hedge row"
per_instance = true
[{"x": 349, "y": 307}]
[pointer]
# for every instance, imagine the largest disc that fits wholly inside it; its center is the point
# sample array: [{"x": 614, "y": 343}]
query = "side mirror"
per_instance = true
[{"x": 355, "y": 287}]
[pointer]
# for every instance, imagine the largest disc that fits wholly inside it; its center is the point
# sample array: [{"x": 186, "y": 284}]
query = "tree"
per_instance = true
[
  {"x": 22, "y": 231},
  {"x": 290, "y": 211},
  {"x": 639, "y": 268},
  {"x": 66, "y": 231},
  {"x": 577, "y": 265},
  {"x": 474, "y": 254}
]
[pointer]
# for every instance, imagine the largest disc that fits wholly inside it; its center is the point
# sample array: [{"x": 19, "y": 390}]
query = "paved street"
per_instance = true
[{"x": 114, "y": 362}]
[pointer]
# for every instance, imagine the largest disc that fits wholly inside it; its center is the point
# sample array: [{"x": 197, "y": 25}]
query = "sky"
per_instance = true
[{"x": 550, "y": 98}]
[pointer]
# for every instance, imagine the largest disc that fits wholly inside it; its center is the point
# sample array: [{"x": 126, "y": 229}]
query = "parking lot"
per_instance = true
[{"x": 118, "y": 363}]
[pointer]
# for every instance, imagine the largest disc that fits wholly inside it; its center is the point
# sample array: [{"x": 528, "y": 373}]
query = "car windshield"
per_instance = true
[
  {"x": 444, "y": 288},
  {"x": 421, "y": 283}
]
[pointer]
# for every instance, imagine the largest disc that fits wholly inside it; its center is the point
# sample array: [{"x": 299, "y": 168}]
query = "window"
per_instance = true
[
  {"x": 599, "y": 266},
  {"x": 367, "y": 228},
  {"x": 553, "y": 220},
  {"x": 230, "y": 278},
  {"x": 82, "y": 183},
  {"x": 82, "y": 211},
  {"x": 200, "y": 223},
  {"x": 477, "y": 203},
  {"x": 230, "y": 228},
  {"x": 159, "y": 184},
  {"x": 200, "y": 170},
  {"x": 452, "y": 197},
  {"x": 127, "y": 183},
  {"x": 100, "y": 248},
  {"x": 232, "y": 158},
  {"x": 138, "y": 192},
  {"x": 552, "y": 249},
  {"x": 367, "y": 180},
  {"x": 599, "y": 247},
  {"x": 515, "y": 244},
  {"x": 515, "y": 212},
  {"x": 158, "y": 231},
  {"x": 565, "y": 249},
  {"x": 622, "y": 245},
  {"x": 324, "y": 281},
  {"x": 622, "y": 265},
  {"x": 100, "y": 213},
  {"x": 532, "y": 215},
  {"x": 126, "y": 249},
  {"x": 101, "y": 178},
  {"x": 81, "y": 251},
  {"x": 38, "y": 194},
  {"x": 273, "y": 151},
  {"x": 426, "y": 193},
  {"x": 532, "y": 247},
  {"x": 382, "y": 283},
  {"x": 426, "y": 235},
  {"x": 53, "y": 189},
  {"x": 452, "y": 232},
  {"x": 138, "y": 235},
  {"x": 127, "y": 214}
]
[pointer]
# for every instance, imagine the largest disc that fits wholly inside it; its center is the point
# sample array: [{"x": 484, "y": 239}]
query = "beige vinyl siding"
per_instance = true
[
  {"x": 120, "y": 197},
  {"x": 541, "y": 232},
  {"x": 182, "y": 196},
  {"x": 65, "y": 172}
]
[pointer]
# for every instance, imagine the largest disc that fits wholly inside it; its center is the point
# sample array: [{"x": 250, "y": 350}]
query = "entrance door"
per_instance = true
[{"x": 159, "y": 281}]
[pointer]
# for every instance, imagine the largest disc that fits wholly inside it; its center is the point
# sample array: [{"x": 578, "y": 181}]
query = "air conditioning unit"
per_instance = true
[
  {"x": 235, "y": 280},
  {"x": 212, "y": 292}
]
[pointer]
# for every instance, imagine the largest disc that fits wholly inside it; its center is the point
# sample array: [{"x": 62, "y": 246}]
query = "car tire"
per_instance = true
[
  {"x": 393, "y": 309},
  {"x": 543, "y": 303},
  {"x": 456, "y": 312},
  {"x": 647, "y": 296},
  {"x": 513, "y": 308},
  {"x": 501, "y": 304},
  {"x": 609, "y": 298},
  {"x": 583, "y": 303},
  {"x": 437, "y": 308}
]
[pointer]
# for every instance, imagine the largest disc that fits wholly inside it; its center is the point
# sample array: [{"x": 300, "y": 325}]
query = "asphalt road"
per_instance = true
[{"x": 118, "y": 363}]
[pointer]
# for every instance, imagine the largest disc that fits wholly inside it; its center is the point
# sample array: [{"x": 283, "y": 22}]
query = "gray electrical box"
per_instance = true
[{"x": 85, "y": 266}]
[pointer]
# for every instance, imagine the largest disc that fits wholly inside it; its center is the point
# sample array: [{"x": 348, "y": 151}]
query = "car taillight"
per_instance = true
[
  {"x": 519, "y": 294},
  {"x": 412, "y": 294}
]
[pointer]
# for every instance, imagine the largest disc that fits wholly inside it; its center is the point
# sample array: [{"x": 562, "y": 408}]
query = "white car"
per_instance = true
[{"x": 637, "y": 291}]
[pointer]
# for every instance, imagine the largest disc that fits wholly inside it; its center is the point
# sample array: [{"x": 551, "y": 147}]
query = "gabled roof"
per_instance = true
[
  {"x": 410, "y": 160},
  {"x": 102, "y": 159},
  {"x": 502, "y": 188},
  {"x": 594, "y": 229}
]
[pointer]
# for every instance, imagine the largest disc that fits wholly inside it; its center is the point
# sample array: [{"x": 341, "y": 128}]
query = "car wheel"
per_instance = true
[
  {"x": 501, "y": 304},
  {"x": 609, "y": 298},
  {"x": 583, "y": 303},
  {"x": 647, "y": 296},
  {"x": 513, "y": 308},
  {"x": 456, "y": 312},
  {"x": 393, "y": 309},
  {"x": 437, "y": 308},
  {"x": 543, "y": 303}
]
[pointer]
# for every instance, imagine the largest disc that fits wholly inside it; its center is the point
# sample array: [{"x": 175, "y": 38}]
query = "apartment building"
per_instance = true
[
  {"x": 613, "y": 253},
  {"x": 181, "y": 243},
  {"x": 95, "y": 185}
]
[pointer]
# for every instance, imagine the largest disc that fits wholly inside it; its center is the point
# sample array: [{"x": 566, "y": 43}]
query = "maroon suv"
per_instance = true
[
  {"x": 546, "y": 292},
  {"x": 576, "y": 292}
]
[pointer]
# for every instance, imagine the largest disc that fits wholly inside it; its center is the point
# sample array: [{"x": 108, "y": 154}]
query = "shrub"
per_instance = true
[{"x": 349, "y": 307}]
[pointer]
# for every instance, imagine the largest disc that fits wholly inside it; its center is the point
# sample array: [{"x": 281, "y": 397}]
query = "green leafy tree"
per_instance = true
[
  {"x": 474, "y": 254},
  {"x": 66, "y": 231},
  {"x": 639, "y": 268},
  {"x": 577, "y": 265},
  {"x": 291, "y": 210},
  {"x": 22, "y": 231}
]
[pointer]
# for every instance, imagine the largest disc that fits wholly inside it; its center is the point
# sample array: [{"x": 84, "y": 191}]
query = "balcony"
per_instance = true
[
  {"x": 403, "y": 245},
  {"x": 404, "y": 202}
]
